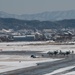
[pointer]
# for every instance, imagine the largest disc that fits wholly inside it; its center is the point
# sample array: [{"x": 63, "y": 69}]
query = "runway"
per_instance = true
[{"x": 43, "y": 68}]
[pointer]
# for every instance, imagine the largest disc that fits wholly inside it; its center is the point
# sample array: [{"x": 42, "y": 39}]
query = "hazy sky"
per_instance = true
[{"x": 35, "y": 6}]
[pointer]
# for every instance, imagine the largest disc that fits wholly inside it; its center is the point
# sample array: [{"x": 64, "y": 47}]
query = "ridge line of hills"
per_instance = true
[
  {"x": 16, "y": 24},
  {"x": 44, "y": 16}
]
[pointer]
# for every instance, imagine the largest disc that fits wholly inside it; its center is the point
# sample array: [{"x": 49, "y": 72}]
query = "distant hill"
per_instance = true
[
  {"x": 45, "y": 16},
  {"x": 16, "y": 24}
]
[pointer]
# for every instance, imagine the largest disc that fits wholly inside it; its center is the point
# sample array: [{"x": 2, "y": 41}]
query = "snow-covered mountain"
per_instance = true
[{"x": 52, "y": 16}]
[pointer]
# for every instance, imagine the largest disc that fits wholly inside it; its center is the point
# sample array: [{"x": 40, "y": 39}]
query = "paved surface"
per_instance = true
[{"x": 44, "y": 68}]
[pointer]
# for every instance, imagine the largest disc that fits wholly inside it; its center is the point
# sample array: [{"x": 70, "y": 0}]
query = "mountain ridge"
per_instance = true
[
  {"x": 44, "y": 16},
  {"x": 17, "y": 24}
]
